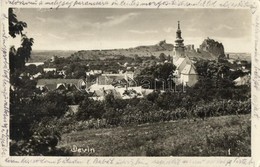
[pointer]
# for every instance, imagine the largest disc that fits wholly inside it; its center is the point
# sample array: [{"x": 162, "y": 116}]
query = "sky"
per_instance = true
[{"x": 97, "y": 28}]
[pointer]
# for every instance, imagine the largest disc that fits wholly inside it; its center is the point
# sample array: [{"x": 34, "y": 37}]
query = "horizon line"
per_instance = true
[{"x": 113, "y": 49}]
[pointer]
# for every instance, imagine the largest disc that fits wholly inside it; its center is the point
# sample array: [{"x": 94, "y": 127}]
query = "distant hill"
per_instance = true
[
  {"x": 204, "y": 55},
  {"x": 209, "y": 50},
  {"x": 161, "y": 46},
  {"x": 142, "y": 51},
  {"x": 241, "y": 56},
  {"x": 43, "y": 55}
]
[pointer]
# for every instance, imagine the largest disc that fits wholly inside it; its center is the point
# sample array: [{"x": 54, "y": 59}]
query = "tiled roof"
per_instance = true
[
  {"x": 52, "y": 84},
  {"x": 242, "y": 80},
  {"x": 73, "y": 108},
  {"x": 111, "y": 79},
  {"x": 188, "y": 67},
  {"x": 94, "y": 87},
  {"x": 58, "y": 81}
]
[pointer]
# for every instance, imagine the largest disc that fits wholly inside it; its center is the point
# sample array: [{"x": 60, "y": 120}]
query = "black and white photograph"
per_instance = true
[{"x": 130, "y": 82}]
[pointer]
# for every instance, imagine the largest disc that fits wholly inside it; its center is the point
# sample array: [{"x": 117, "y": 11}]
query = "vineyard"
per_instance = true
[
  {"x": 145, "y": 112},
  {"x": 216, "y": 136}
]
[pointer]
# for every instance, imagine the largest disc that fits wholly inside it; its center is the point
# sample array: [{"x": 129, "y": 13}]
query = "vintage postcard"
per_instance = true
[{"x": 129, "y": 83}]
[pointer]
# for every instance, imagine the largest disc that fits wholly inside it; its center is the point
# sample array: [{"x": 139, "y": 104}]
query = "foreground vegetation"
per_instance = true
[{"x": 217, "y": 136}]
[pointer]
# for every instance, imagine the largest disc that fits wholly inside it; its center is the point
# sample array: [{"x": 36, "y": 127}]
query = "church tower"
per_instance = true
[{"x": 179, "y": 45}]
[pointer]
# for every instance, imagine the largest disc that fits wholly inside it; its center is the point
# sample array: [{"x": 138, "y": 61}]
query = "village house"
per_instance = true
[
  {"x": 244, "y": 80},
  {"x": 93, "y": 72},
  {"x": 120, "y": 85},
  {"x": 35, "y": 63},
  {"x": 130, "y": 92},
  {"x": 49, "y": 69},
  {"x": 35, "y": 76},
  {"x": 61, "y": 72},
  {"x": 65, "y": 84},
  {"x": 232, "y": 61},
  {"x": 72, "y": 110},
  {"x": 110, "y": 79}
]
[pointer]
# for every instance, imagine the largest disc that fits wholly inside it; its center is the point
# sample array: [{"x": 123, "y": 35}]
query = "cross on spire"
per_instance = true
[{"x": 178, "y": 24}]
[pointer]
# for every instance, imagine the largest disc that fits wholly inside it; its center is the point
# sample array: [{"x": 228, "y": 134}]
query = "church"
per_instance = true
[{"x": 185, "y": 72}]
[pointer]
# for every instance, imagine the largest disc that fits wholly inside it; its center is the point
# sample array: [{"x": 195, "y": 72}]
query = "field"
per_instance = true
[
  {"x": 215, "y": 136},
  {"x": 43, "y": 55}
]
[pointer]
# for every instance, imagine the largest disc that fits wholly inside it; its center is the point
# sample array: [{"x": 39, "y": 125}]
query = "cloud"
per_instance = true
[
  {"x": 35, "y": 34},
  {"x": 111, "y": 20},
  {"x": 119, "y": 19},
  {"x": 192, "y": 30},
  {"x": 110, "y": 17},
  {"x": 87, "y": 34},
  {"x": 83, "y": 34},
  {"x": 222, "y": 27},
  {"x": 168, "y": 29},
  {"x": 41, "y": 19},
  {"x": 55, "y": 36},
  {"x": 143, "y": 32}
]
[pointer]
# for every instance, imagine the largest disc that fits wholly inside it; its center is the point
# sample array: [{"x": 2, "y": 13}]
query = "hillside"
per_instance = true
[
  {"x": 214, "y": 136},
  {"x": 209, "y": 50},
  {"x": 202, "y": 55},
  {"x": 43, "y": 55},
  {"x": 142, "y": 51},
  {"x": 155, "y": 50}
]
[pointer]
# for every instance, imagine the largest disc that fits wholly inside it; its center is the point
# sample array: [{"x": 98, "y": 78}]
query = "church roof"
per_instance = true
[
  {"x": 179, "y": 62},
  {"x": 188, "y": 69},
  {"x": 185, "y": 66}
]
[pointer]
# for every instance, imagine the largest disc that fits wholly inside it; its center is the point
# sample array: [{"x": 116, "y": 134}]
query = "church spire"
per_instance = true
[{"x": 179, "y": 40}]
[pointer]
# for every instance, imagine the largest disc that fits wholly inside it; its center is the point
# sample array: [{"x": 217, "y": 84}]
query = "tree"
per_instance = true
[
  {"x": 89, "y": 108},
  {"x": 169, "y": 58},
  {"x": 15, "y": 27},
  {"x": 158, "y": 74},
  {"x": 152, "y": 57},
  {"x": 137, "y": 59},
  {"x": 215, "y": 73},
  {"x": 164, "y": 71},
  {"x": 25, "y": 50},
  {"x": 162, "y": 57},
  {"x": 22, "y": 54}
]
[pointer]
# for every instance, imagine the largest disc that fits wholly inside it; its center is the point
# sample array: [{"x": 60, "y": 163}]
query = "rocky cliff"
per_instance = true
[{"x": 213, "y": 47}]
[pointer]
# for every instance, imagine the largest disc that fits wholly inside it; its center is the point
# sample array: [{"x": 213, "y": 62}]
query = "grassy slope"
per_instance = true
[
  {"x": 212, "y": 137},
  {"x": 202, "y": 55},
  {"x": 156, "y": 50}
]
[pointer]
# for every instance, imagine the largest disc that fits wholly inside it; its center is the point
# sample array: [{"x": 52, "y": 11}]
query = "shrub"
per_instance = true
[{"x": 90, "y": 109}]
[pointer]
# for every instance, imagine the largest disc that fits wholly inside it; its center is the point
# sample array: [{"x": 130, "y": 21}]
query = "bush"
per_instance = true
[
  {"x": 90, "y": 109},
  {"x": 37, "y": 145}
]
